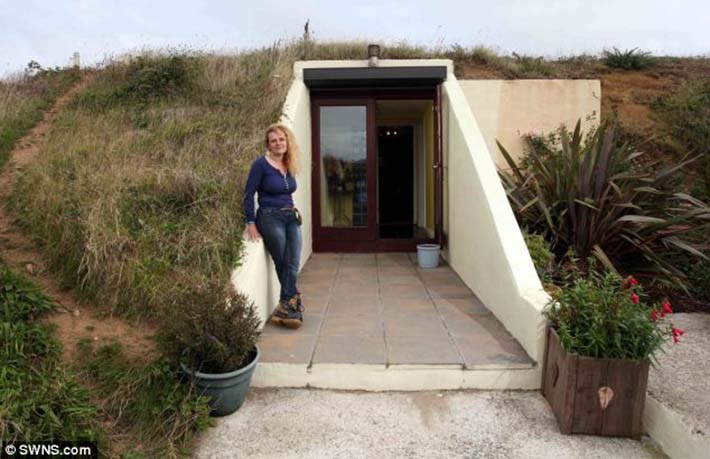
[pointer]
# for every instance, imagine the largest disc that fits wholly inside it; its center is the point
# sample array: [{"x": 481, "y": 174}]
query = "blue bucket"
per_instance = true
[{"x": 428, "y": 255}]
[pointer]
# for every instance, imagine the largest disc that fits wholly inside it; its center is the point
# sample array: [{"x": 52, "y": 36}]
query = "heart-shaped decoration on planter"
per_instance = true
[{"x": 605, "y": 396}]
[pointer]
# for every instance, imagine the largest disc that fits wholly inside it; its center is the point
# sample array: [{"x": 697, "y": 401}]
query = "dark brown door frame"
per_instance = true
[
  {"x": 369, "y": 232},
  {"x": 366, "y": 240},
  {"x": 438, "y": 173}
]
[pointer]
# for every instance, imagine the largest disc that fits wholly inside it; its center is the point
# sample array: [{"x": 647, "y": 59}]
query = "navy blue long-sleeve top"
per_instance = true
[{"x": 274, "y": 188}]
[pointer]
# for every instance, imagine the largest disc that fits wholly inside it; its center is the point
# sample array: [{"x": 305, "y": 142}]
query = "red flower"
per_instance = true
[
  {"x": 629, "y": 282},
  {"x": 667, "y": 308},
  {"x": 635, "y": 298},
  {"x": 676, "y": 332},
  {"x": 654, "y": 315}
]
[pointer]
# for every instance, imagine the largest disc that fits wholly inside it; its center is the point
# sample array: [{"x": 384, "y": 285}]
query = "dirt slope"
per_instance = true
[{"x": 74, "y": 320}]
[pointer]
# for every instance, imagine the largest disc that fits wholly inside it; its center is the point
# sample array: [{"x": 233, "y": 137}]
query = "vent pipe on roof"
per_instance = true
[{"x": 373, "y": 54}]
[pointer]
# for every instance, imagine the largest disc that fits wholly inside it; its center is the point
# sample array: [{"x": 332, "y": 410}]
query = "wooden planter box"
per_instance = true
[{"x": 577, "y": 388}]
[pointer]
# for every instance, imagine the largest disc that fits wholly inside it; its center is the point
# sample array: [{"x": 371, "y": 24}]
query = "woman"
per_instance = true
[{"x": 272, "y": 177}]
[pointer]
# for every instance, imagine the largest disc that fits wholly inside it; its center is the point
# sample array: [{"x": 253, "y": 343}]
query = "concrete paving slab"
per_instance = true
[
  {"x": 407, "y": 305},
  {"x": 430, "y": 349},
  {"x": 359, "y": 349},
  {"x": 350, "y": 325},
  {"x": 470, "y": 306},
  {"x": 287, "y": 348},
  {"x": 308, "y": 423},
  {"x": 423, "y": 326},
  {"x": 315, "y": 305}
]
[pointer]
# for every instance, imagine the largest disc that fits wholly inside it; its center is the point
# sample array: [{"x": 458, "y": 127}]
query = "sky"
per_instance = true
[{"x": 49, "y": 32}]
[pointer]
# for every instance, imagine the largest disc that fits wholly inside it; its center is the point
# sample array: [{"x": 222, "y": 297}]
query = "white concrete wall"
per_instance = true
[
  {"x": 507, "y": 109},
  {"x": 256, "y": 276},
  {"x": 485, "y": 245}
]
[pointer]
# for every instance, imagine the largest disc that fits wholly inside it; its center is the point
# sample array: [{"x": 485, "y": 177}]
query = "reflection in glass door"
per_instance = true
[
  {"x": 343, "y": 180},
  {"x": 343, "y": 166}
]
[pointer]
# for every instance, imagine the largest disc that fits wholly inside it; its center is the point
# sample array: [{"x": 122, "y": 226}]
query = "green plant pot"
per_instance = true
[{"x": 226, "y": 391}]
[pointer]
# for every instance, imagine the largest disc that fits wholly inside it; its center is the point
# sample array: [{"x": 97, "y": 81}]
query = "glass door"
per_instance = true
[{"x": 344, "y": 170}]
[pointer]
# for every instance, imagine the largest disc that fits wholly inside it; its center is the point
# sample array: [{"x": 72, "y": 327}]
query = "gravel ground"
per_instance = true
[
  {"x": 277, "y": 423},
  {"x": 682, "y": 379}
]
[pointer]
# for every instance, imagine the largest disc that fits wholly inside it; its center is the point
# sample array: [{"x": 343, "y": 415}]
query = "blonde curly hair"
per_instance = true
[{"x": 292, "y": 152}]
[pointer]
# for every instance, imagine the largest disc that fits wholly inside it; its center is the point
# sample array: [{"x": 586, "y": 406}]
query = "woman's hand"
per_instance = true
[{"x": 253, "y": 233}]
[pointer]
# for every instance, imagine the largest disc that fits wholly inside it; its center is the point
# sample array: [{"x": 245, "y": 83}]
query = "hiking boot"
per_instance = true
[
  {"x": 294, "y": 304},
  {"x": 299, "y": 304},
  {"x": 287, "y": 317}
]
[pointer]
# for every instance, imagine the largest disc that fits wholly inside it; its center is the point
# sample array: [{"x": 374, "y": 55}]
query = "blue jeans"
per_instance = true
[{"x": 282, "y": 236}]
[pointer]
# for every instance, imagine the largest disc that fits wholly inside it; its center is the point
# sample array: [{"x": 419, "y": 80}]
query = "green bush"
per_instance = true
[
  {"x": 602, "y": 316},
  {"x": 595, "y": 197},
  {"x": 148, "y": 78},
  {"x": 213, "y": 330},
  {"x": 541, "y": 255},
  {"x": 630, "y": 59}
]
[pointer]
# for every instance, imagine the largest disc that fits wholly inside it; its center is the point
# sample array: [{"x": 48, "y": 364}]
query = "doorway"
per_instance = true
[
  {"x": 395, "y": 190},
  {"x": 374, "y": 170}
]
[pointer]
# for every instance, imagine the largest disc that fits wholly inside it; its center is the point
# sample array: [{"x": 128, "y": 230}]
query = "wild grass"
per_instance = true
[
  {"x": 23, "y": 98},
  {"x": 40, "y": 399},
  {"x": 147, "y": 411},
  {"x": 686, "y": 113},
  {"x": 127, "y": 409}
]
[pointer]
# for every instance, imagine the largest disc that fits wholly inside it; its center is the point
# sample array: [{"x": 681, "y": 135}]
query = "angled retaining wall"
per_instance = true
[{"x": 485, "y": 244}]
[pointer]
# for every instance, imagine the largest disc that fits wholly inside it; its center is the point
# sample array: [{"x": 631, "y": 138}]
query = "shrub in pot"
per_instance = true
[
  {"x": 602, "y": 337},
  {"x": 212, "y": 335}
]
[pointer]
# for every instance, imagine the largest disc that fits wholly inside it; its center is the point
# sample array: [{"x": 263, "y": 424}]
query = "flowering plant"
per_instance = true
[{"x": 605, "y": 316}]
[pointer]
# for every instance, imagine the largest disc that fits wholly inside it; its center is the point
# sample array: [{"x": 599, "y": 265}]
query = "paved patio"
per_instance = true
[{"x": 384, "y": 309}]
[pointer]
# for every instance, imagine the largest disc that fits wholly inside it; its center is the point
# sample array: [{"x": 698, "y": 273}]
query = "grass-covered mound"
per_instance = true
[
  {"x": 23, "y": 99},
  {"x": 138, "y": 191}
]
